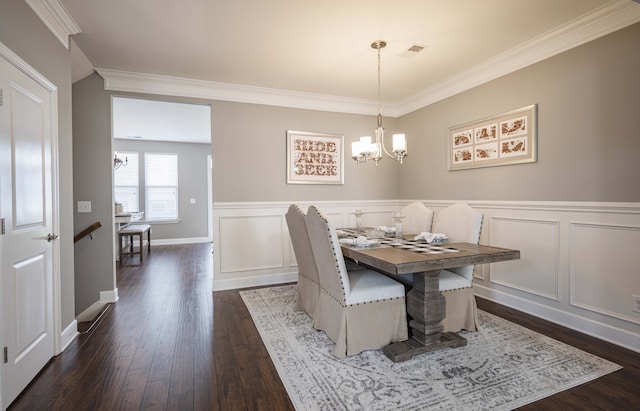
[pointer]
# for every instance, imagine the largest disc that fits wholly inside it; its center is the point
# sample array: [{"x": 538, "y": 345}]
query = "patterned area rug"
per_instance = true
[{"x": 503, "y": 366}]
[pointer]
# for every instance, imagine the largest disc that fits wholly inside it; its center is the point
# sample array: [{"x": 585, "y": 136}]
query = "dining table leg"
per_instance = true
[{"x": 427, "y": 308}]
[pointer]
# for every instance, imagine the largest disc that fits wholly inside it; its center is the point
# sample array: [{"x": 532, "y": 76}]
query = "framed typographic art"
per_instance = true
[
  {"x": 509, "y": 138},
  {"x": 315, "y": 158}
]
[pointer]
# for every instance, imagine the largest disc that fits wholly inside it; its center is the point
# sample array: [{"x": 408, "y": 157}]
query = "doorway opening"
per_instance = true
[{"x": 162, "y": 172}]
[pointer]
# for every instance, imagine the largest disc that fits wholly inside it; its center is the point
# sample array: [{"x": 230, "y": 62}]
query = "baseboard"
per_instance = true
[
  {"x": 176, "y": 241},
  {"x": 566, "y": 319},
  {"x": 109, "y": 296},
  {"x": 255, "y": 281},
  {"x": 89, "y": 313},
  {"x": 68, "y": 335}
]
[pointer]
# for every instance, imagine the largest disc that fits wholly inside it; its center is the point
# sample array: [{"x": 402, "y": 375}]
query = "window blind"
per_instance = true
[{"x": 161, "y": 186}]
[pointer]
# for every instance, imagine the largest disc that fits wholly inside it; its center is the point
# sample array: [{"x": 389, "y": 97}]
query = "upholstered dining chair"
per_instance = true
[
  {"x": 308, "y": 286},
  {"x": 460, "y": 223},
  {"x": 417, "y": 218},
  {"x": 359, "y": 310}
]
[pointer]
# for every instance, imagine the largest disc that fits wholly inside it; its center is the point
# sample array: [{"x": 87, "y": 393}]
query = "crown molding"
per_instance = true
[
  {"x": 613, "y": 16},
  {"x": 125, "y": 81},
  {"x": 607, "y": 19},
  {"x": 56, "y": 18}
]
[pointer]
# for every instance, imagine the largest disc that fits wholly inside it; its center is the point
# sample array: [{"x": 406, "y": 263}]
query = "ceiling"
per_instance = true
[
  {"x": 323, "y": 49},
  {"x": 152, "y": 120}
]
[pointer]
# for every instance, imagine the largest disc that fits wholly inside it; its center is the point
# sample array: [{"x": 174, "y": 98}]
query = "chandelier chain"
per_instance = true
[{"x": 379, "y": 88}]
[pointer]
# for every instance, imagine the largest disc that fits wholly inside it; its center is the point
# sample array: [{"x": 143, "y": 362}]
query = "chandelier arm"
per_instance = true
[{"x": 385, "y": 148}]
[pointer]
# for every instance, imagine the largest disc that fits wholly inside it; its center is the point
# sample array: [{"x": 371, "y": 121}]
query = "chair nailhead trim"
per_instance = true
[{"x": 374, "y": 301}]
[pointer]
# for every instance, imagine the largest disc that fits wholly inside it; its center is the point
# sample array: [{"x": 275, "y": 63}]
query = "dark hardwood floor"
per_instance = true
[{"x": 171, "y": 343}]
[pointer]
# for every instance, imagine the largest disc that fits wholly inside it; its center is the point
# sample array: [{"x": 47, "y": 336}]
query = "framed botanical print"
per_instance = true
[{"x": 509, "y": 138}]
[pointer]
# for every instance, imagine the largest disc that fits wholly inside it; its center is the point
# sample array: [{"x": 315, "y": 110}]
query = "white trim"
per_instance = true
[
  {"x": 566, "y": 319},
  {"x": 89, "y": 311},
  {"x": 568, "y": 206},
  {"x": 265, "y": 205},
  {"x": 69, "y": 334},
  {"x": 56, "y": 18},
  {"x": 55, "y": 222},
  {"x": 573, "y": 275},
  {"x": 126, "y": 81},
  {"x": 110, "y": 296},
  {"x": 556, "y": 224},
  {"x": 209, "y": 198},
  {"x": 255, "y": 281},
  {"x": 23, "y": 66},
  {"x": 607, "y": 19},
  {"x": 174, "y": 241}
]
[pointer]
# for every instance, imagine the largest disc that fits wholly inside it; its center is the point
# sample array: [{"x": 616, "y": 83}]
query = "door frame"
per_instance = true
[{"x": 15, "y": 60}]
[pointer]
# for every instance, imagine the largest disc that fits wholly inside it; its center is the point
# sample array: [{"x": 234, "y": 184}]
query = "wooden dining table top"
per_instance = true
[{"x": 395, "y": 260}]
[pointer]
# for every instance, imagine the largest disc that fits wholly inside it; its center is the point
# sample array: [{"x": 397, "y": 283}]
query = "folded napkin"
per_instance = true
[
  {"x": 361, "y": 241},
  {"x": 430, "y": 237},
  {"x": 386, "y": 229},
  {"x": 341, "y": 233}
]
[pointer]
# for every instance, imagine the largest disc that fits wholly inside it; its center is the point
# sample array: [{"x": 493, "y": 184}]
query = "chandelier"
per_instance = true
[
  {"x": 365, "y": 150},
  {"x": 118, "y": 162}
]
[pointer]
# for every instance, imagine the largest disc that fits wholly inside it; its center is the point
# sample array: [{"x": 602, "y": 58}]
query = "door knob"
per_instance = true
[{"x": 51, "y": 237}]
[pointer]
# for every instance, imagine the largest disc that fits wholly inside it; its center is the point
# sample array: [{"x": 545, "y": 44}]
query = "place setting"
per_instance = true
[{"x": 385, "y": 236}]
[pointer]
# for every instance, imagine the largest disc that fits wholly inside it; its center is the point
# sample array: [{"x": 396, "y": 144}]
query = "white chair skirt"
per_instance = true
[
  {"x": 307, "y": 298},
  {"x": 461, "y": 310},
  {"x": 369, "y": 326}
]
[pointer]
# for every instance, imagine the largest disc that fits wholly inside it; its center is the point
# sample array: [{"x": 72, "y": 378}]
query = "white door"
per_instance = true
[{"x": 26, "y": 206}]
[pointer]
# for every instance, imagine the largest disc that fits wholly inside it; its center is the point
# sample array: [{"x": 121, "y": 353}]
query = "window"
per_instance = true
[
  {"x": 161, "y": 186},
  {"x": 125, "y": 182}
]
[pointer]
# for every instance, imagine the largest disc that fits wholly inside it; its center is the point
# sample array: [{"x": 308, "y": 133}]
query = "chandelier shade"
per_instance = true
[{"x": 365, "y": 149}]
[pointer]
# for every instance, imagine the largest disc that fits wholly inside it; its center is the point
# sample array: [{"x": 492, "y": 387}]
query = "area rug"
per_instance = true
[{"x": 503, "y": 366}]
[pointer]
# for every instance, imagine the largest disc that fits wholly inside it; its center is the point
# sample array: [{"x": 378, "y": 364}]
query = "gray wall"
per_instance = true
[
  {"x": 250, "y": 157},
  {"x": 92, "y": 181},
  {"x": 588, "y": 130},
  {"x": 25, "y": 34},
  {"x": 192, "y": 183}
]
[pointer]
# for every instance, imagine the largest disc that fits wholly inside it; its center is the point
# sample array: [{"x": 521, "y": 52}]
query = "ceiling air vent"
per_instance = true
[{"x": 416, "y": 48}]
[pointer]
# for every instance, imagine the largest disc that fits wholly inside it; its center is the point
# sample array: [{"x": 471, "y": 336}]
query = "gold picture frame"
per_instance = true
[
  {"x": 315, "y": 158},
  {"x": 508, "y": 138}
]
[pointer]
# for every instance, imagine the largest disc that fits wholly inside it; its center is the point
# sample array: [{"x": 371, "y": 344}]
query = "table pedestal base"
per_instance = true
[
  {"x": 405, "y": 350},
  {"x": 427, "y": 308}
]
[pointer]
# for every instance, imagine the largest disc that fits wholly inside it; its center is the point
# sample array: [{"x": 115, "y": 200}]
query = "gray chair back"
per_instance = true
[
  {"x": 417, "y": 218},
  {"x": 295, "y": 217},
  {"x": 327, "y": 253},
  {"x": 460, "y": 223}
]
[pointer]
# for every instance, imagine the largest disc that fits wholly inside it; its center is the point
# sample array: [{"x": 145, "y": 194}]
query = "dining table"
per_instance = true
[{"x": 425, "y": 302}]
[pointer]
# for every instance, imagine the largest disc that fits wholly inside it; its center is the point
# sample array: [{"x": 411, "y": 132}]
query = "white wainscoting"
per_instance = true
[
  {"x": 251, "y": 242},
  {"x": 579, "y": 262},
  {"x": 538, "y": 270}
]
